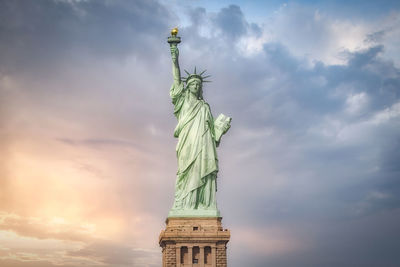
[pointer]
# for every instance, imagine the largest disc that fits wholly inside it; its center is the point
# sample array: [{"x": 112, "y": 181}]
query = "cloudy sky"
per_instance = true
[{"x": 309, "y": 172}]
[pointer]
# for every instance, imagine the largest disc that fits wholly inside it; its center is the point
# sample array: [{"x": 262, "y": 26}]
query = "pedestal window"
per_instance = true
[
  {"x": 184, "y": 255},
  {"x": 196, "y": 255},
  {"x": 207, "y": 255}
]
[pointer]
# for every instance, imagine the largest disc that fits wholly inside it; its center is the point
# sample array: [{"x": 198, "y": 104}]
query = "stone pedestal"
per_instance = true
[{"x": 194, "y": 242}]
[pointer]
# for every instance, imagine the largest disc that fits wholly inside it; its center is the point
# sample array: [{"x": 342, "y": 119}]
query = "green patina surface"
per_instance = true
[{"x": 198, "y": 136}]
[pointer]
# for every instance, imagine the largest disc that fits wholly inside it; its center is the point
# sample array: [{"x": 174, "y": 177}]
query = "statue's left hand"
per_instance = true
[{"x": 226, "y": 127}]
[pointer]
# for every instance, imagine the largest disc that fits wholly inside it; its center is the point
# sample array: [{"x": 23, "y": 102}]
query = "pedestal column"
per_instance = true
[
  {"x": 201, "y": 260},
  {"x": 178, "y": 256},
  {"x": 190, "y": 251},
  {"x": 214, "y": 256}
]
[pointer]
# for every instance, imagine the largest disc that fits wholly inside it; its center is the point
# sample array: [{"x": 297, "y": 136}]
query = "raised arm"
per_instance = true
[{"x": 176, "y": 72}]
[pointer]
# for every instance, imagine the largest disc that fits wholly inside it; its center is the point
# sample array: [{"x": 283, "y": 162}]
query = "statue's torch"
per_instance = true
[{"x": 174, "y": 40}]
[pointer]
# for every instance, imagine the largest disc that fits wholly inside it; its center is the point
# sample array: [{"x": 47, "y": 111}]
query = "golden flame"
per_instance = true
[{"x": 174, "y": 31}]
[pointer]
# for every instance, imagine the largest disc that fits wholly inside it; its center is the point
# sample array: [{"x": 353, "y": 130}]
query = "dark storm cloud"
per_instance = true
[
  {"x": 41, "y": 32},
  {"x": 197, "y": 16},
  {"x": 233, "y": 24},
  {"x": 375, "y": 37},
  {"x": 231, "y": 21},
  {"x": 223, "y": 29}
]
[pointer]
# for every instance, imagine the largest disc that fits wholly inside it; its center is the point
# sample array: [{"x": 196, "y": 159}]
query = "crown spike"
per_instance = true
[{"x": 195, "y": 75}]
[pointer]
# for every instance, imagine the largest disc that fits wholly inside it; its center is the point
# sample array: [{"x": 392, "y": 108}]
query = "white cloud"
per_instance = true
[
  {"x": 355, "y": 103},
  {"x": 386, "y": 115},
  {"x": 346, "y": 131}
]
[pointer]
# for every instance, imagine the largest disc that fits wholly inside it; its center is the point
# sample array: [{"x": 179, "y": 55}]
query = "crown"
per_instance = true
[{"x": 196, "y": 76}]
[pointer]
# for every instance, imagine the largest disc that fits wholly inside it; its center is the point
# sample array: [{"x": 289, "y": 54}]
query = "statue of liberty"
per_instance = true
[{"x": 198, "y": 136}]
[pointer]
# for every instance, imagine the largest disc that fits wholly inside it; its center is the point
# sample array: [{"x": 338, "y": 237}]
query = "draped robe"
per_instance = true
[{"x": 196, "y": 152}]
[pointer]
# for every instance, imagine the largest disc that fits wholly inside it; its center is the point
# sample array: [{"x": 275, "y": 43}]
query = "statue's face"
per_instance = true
[{"x": 195, "y": 86}]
